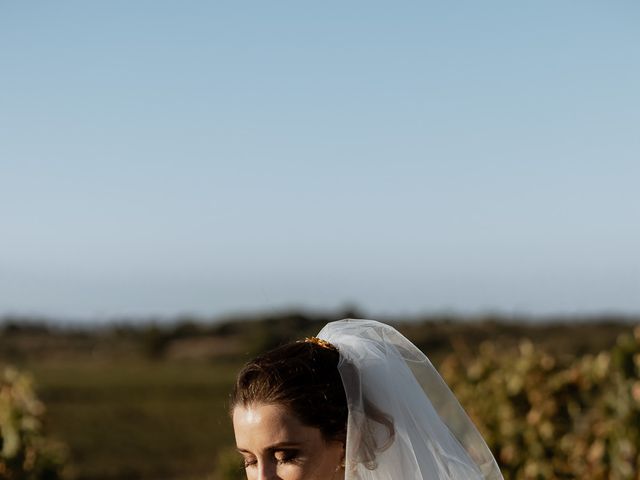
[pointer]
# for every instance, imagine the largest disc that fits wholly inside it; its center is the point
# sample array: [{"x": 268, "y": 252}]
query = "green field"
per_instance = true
[{"x": 138, "y": 419}]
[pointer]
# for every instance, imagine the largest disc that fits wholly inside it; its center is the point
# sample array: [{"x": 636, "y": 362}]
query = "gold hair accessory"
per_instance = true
[{"x": 320, "y": 342}]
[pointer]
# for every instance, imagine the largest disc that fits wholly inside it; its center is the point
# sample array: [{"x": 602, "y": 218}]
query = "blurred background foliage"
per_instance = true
[
  {"x": 25, "y": 452},
  {"x": 555, "y": 416},
  {"x": 555, "y": 398}
]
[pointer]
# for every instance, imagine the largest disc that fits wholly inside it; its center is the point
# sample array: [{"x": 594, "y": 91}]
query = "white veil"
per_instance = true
[{"x": 404, "y": 422}]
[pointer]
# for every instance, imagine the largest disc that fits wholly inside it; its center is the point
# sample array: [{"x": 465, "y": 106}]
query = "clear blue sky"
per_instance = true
[{"x": 210, "y": 157}]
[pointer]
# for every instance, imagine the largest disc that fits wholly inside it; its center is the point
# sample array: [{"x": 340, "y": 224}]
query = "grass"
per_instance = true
[{"x": 138, "y": 419}]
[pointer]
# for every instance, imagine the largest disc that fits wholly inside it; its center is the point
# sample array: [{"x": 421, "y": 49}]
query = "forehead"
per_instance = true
[{"x": 259, "y": 426}]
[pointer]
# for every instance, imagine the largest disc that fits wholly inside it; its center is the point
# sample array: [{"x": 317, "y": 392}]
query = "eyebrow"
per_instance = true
[{"x": 275, "y": 446}]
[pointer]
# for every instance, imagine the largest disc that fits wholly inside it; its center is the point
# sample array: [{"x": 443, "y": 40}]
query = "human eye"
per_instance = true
[
  {"x": 287, "y": 456},
  {"x": 248, "y": 462}
]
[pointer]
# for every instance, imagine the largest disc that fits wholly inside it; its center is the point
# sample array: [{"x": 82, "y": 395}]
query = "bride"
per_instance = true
[{"x": 359, "y": 401}]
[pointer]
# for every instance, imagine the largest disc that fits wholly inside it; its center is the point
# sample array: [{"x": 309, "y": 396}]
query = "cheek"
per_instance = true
[
  {"x": 296, "y": 472},
  {"x": 310, "y": 470}
]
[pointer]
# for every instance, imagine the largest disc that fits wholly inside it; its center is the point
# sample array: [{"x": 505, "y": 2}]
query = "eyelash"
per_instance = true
[
  {"x": 289, "y": 457},
  {"x": 248, "y": 464}
]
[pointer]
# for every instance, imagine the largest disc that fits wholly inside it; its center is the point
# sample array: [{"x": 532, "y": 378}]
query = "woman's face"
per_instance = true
[{"x": 275, "y": 445}]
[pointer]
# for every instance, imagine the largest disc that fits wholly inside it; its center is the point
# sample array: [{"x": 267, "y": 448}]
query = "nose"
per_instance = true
[{"x": 267, "y": 471}]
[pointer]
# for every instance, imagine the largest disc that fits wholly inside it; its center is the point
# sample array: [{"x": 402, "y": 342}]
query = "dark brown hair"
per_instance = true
[{"x": 300, "y": 376}]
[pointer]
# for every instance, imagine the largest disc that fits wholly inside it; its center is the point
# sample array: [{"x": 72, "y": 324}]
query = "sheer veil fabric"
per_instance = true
[{"x": 404, "y": 421}]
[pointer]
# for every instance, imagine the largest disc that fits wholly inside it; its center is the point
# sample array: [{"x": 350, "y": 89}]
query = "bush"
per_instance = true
[
  {"x": 548, "y": 417},
  {"x": 25, "y": 454}
]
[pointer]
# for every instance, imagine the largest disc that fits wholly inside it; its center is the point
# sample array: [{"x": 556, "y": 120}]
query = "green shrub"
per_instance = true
[
  {"x": 25, "y": 454},
  {"x": 548, "y": 417}
]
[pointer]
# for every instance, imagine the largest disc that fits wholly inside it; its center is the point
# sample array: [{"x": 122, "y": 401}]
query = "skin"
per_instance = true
[{"x": 275, "y": 445}]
